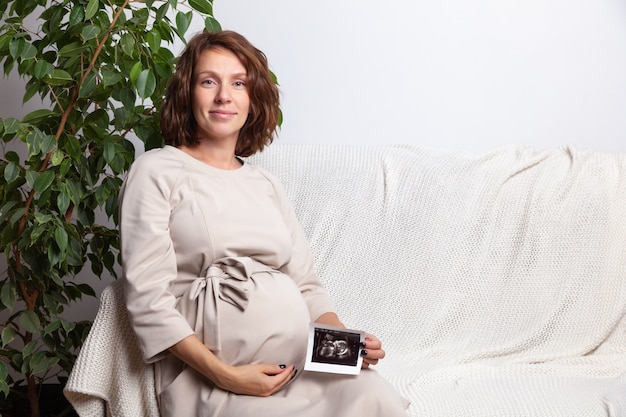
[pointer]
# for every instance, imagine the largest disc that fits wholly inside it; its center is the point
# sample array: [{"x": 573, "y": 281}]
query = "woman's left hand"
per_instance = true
[{"x": 372, "y": 352}]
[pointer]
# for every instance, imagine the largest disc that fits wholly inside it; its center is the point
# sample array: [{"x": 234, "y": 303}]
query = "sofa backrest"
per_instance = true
[{"x": 509, "y": 255}]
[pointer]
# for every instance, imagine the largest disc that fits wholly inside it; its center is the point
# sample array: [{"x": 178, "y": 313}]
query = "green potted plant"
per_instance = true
[{"x": 99, "y": 67}]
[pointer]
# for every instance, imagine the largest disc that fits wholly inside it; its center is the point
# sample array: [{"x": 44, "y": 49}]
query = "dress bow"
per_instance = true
[{"x": 227, "y": 279}]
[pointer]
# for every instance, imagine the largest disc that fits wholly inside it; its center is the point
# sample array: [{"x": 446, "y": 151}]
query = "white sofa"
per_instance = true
[{"x": 496, "y": 281}]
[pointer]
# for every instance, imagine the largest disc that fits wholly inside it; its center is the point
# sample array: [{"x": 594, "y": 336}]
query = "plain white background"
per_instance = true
[
  {"x": 458, "y": 74},
  {"x": 455, "y": 74}
]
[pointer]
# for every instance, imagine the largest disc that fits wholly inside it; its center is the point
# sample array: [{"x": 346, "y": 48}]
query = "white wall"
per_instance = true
[{"x": 458, "y": 74}]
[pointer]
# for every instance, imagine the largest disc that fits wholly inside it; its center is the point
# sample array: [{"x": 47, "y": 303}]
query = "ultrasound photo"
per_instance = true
[{"x": 332, "y": 349}]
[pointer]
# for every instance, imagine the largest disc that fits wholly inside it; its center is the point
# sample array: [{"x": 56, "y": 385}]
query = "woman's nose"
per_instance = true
[{"x": 223, "y": 95}]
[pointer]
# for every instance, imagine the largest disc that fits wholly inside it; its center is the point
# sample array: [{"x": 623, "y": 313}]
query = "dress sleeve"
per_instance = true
[
  {"x": 300, "y": 266},
  {"x": 148, "y": 258}
]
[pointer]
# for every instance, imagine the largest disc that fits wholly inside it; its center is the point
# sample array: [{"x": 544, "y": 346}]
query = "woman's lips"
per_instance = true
[{"x": 222, "y": 114}]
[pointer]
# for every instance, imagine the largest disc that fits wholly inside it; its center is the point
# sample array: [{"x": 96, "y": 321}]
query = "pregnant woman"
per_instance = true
[{"x": 218, "y": 275}]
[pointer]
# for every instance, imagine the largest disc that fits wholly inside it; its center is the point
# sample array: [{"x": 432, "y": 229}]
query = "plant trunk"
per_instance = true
[{"x": 33, "y": 397}]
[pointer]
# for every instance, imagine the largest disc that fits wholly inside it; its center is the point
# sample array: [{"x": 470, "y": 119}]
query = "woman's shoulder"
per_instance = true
[
  {"x": 167, "y": 155},
  {"x": 158, "y": 159},
  {"x": 154, "y": 164}
]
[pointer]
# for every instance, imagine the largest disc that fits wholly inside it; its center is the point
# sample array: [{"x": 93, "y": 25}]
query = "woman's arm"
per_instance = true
[{"x": 258, "y": 380}]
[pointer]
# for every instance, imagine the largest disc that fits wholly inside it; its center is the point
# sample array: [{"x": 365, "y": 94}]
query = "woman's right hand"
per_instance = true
[{"x": 258, "y": 380}]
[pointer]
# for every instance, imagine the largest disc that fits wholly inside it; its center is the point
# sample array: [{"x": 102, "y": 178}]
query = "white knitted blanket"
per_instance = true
[
  {"x": 496, "y": 281},
  {"x": 109, "y": 377}
]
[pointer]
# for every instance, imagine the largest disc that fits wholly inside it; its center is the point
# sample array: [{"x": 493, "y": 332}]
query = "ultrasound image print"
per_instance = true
[{"x": 335, "y": 347}]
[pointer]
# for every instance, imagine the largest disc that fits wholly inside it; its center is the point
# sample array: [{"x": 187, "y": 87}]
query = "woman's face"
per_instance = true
[{"x": 219, "y": 96}]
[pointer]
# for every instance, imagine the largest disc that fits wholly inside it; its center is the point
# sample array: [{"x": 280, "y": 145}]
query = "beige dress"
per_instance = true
[{"x": 220, "y": 254}]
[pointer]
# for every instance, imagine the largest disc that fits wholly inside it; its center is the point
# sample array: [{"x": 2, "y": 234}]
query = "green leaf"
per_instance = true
[
  {"x": 12, "y": 156},
  {"x": 89, "y": 32},
  {"x": 88, "y": 86},
  {"x": 7, "y": 296},
  {"x": 37, "y": 115},
  {"x": 127, "y": 97},
  {"x": 63, "y": 202},
  {"x": 56, "y": 278},
  {"x": 58, "y": 77},
  {"x": 4, "y": 387},
  {"x": 86, "y": 288},
  {"x": 48, "y": 144},
  {"x": 75, "y": 192},
  {"x": 75, "y": 253},
  {"x": 212, "y": 25},
  {"x": 6, "y": 208},
  {"x": 135, "y": 71},
  {"x": 30, "y": 91},
  {"x": 71, "y": 50},
  {"x": 77, "y": 15},
  {"x": 34, "y": 142},
  {"x": 11, "y": 172},
  {"x": 183, "y": 20},
  {"x": 161, "y": 12},
  {"x": 8, "y": 335},
  {"x": 55, "y": 325},
  {"x": 29, "y": 321},
  {"x": 146, "y": 83},
  {"x": 4, "y": 372},
  {"x": 43, "y": 68},
  {"x": 203, "y": 6},
  {"x": 28, "y": 51},
  {"x": 65, "y": 166},
  {"x": 109, "y": 151},
  {"x": 11, "y": 126},
  {"x": 43, "y": 181},
  {"x": 127, "y": 42},
  {"x": 92, "y": 9},
  {"x": 117, "y": 164},
  {"x": 57, "y": 158},
  {"x": 17, "y": 215},
  {"x": 154, "y": 40},
  {"x": 40, "y": 363},
  {"x": 72, "y": 147},
  {"x": 61, "y": 238},
  {"x": 31, "y": 177},
  {"x": 37, "y": 231},
  {"x": 16, "y": 45},
  {"x": 29, "y": 348},
  {"x": 111, "y": 78}
]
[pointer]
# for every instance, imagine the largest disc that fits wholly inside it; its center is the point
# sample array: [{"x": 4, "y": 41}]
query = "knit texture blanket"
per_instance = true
[{"x": 497, "y": 282}]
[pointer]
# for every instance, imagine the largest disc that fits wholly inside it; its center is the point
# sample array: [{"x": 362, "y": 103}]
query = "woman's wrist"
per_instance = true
[{"x": 195, "y": 354}]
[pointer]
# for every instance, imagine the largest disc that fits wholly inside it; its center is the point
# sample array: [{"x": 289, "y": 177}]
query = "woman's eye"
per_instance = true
[
  {"x": 239, "y": 84},
  {"x": 208, "y": 82}
]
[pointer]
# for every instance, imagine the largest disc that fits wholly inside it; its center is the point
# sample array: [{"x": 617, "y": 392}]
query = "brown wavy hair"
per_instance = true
[{"x": 178, "y": 125}]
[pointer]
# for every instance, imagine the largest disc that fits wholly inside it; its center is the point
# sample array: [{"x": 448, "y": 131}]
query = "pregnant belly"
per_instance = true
[{"x": 273, "y": 328}]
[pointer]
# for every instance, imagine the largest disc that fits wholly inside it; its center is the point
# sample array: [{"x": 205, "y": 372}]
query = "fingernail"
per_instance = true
[
  {"x": 362, "y": 344},
  {"x": 282, "y": 366},
  {"x": 363, "y": 352}
]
